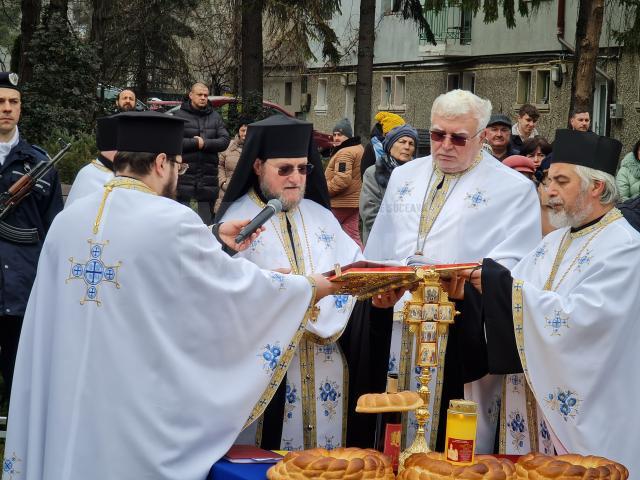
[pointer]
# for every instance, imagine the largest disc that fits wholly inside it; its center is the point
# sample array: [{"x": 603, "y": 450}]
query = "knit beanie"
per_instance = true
[
  {"x": 344, "y": 127},
  {"x": 405, "y": 130},
  {"x": 388, "y": 121}
]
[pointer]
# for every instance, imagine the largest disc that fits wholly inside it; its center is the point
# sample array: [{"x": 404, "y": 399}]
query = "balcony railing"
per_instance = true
[{"x": 450, "y": 23}]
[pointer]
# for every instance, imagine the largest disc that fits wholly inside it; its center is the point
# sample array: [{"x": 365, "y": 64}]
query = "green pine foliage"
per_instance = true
[
  {"x": 83, "y": 150},
  {"x": 61, "y": 96}
]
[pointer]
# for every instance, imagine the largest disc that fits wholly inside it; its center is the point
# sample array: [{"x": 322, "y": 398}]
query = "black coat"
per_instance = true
[
  {"x": 200, "y": 182},
  {"x": 18, "y": 262}
]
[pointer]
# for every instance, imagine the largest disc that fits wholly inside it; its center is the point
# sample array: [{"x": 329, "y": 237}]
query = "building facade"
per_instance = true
[{"x": 531, "y": 63}]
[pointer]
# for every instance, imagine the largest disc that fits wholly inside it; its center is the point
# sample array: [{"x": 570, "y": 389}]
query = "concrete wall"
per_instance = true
[
  {"x": 274, "y": 91},
  {"x": 397, "y": 40}
]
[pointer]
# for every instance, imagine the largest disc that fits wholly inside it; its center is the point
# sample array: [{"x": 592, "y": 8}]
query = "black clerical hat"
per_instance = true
[
  {"x": 278, "y": 136},
  {"x": 107, "y": 133},
  {"x": 587, "y": 149},
  {"x": 151, "y": 132},
  {"x": 9, "y": 80}
]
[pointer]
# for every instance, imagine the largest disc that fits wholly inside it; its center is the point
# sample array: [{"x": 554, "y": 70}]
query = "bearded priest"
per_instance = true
[
  {"x": 145, "y": 348},
  {"x": 563, "y": 323},
  {"x": 279, "y": 160}
]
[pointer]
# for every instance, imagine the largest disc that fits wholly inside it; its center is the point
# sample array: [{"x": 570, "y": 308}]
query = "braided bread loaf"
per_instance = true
[
  {"x": 536, "y": 466},
  {"x": 344, "y": 463},
  {"x": 388, "y": 402},
  {"x": 434, "y": 466}
]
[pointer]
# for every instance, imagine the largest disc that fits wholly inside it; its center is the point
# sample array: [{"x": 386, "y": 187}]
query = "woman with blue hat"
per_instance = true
[{"x": 399, "y": 148}]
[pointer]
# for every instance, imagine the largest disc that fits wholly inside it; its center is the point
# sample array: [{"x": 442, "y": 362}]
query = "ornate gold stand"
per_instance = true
[{"x": 429, "y": 314}]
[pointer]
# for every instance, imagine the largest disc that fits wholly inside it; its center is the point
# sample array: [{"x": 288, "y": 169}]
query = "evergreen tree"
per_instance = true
[{"x": 61, "y": 96}]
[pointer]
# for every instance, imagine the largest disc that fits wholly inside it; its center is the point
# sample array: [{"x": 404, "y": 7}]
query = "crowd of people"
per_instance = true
[{"x": 150, "y": 336}]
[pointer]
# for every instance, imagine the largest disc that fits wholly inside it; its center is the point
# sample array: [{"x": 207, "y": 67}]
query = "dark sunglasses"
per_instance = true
[
  {"x": 457, "y": 140},
  {"x": 286, "y": 170}
]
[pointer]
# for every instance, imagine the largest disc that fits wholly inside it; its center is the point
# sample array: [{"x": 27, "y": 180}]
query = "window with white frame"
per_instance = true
[
  {"x": 543, "y": 83},
  {"x": 321, "y": 96},
  {"x": 524, "y": 87},
  {"x": 393, "y": 93},
  {"x": 385, "y": 92},
  {"x": 399, "y": 91}
]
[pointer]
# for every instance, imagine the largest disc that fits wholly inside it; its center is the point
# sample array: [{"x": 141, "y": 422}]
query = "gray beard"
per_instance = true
[
  {"x": 562, "y": 218},
  {"x": 286, "y": 204}
]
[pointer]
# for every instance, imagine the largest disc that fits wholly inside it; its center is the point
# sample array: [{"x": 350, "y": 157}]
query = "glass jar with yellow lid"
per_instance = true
[{"x": 462, "y": 423}]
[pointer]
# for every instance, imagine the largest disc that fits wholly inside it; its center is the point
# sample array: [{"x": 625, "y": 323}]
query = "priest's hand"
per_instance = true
[
  {"x": 473, "y": 276},
  {"x": 323, "y": 286},
  {"x": 387, "y": 299},
  {"x": 230, "y": 229},
  {"x": 454, "y": 286}
]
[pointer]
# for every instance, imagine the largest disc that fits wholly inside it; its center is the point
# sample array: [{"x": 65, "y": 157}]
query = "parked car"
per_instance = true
[{"x": 224, "y": 105}]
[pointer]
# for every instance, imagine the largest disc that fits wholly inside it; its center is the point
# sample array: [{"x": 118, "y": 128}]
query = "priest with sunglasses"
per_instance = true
[
  {"x": 457, "y": 205},
  {"x": 280, "y": 161}
]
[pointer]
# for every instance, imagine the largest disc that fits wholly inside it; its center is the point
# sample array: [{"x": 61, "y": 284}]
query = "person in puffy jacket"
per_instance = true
[
  {"x": 628, "y": 177},
  {"x": 204, "y": 136},
  {"x": 228, "y": 159},
  {"x": 343, "y": 178}
]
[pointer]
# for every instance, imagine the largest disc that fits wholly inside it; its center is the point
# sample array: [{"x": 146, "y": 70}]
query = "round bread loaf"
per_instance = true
[
  {"x": 388, "y": 402},
  {"x": 434, "y": 466},
  {"x": 344, "y": 463},
  {"x": 536, "y": 466}
]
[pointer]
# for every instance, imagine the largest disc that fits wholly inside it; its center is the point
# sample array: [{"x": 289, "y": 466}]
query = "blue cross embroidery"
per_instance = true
[
  {"x": 93, "y": 272},
  {"x": 476, "y": 199},
  {"x": 556, "y": 322},
  {"x": 404, "y": 190},
  {"x": 326, "y": 238},
  {"x": 517, "y": 307},
  {"x": 583, "y": 261},
  {"x": 540, "y": 253},
  {"x": 9, "y": 465}
]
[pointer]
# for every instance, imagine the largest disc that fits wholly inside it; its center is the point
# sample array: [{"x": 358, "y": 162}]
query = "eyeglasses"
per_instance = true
[
  {"x": 457, "y": 140},
  {"x": 286, "y": 170},
  {"x": 182, "y": 166}
]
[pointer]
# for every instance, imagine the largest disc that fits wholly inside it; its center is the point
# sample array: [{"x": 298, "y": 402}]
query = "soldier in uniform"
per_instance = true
[{"x": 18, "y": 261}]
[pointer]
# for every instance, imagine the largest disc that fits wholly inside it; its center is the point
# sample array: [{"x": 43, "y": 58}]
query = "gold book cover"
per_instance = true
[{"x": 364, "y": 279}]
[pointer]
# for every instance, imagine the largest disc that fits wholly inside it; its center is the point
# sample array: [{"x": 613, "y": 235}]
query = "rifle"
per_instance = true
[{"x": 10, "y": 199}]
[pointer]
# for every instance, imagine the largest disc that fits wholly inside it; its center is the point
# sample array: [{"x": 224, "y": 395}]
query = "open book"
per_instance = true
[{"x": 364, "y": 279}]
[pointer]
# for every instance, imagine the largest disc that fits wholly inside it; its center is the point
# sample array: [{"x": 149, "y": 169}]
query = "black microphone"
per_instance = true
[{"x": 274, "y": 206}]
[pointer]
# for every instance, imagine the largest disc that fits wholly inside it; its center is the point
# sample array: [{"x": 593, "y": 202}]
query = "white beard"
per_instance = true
[{"x": 563, "y": 218}]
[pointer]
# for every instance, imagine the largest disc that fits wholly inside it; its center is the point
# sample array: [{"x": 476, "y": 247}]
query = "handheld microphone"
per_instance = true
[{"x": 274, "y": 206}]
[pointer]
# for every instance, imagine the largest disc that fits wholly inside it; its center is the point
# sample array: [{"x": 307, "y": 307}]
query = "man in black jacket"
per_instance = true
[
  {"x": 18, "y": 261},
  {"x": 204, "y": 136}
]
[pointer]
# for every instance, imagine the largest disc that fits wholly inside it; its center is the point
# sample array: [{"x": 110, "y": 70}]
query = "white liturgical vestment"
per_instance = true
[
  {"x": 316, "y": 395},
  {"x": 90, "y": 179},
  {"x": 145, "y": 348},
  {"x": 575, "y": 309},
  {"x": 489, "y": 210}
]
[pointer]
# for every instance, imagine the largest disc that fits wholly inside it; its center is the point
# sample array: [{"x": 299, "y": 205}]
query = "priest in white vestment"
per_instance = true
[
  {"x": 457, "y": 205},
  {"x": 563, "y": 323},
  {"x": 91, "y": 178},
  {"x": 280, "y": 161},
  {"x": 145, "y": 348}
]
